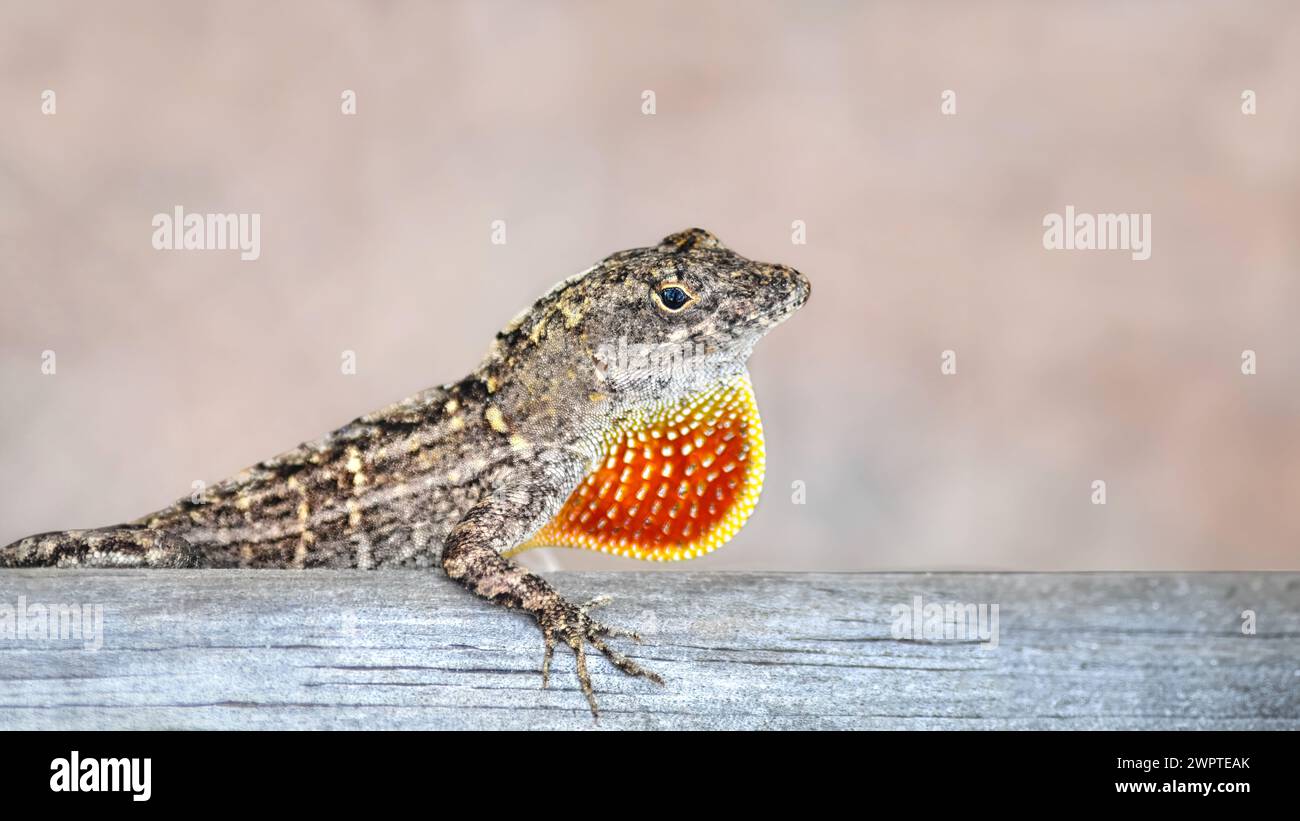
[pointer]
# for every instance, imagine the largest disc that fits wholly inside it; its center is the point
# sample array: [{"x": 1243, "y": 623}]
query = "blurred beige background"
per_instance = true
[{"x": 924, "y": 234}]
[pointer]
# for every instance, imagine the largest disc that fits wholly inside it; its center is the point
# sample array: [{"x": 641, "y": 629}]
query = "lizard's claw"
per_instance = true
[
  {"x": 573, "y": 624},
  {"x": 613, "y": 632}
]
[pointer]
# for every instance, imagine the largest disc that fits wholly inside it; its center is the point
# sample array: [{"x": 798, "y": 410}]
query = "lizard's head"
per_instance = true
[
  {"x": 668, "y": 321},
  {"x": 652, "y": 343},
  {"x": 656, "y": 324}
]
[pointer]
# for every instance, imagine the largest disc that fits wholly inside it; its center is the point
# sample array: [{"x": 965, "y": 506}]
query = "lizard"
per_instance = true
[{"x": 615, "y": 414}]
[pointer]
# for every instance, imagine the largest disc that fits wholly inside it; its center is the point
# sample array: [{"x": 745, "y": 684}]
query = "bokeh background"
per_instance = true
[{"x": 923, "y": 234}]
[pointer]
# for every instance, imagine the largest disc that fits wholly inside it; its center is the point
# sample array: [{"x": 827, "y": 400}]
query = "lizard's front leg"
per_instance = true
[{"x": 501, "y": 521}]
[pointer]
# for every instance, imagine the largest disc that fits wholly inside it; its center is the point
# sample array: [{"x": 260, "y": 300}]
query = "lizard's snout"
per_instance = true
[
  {"x": 802, "y": 288},
  {"x": 795, "y": 286}
]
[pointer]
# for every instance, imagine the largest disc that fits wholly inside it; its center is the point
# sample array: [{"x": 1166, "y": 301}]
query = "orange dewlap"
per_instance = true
[{"x": 675, "y": 484}]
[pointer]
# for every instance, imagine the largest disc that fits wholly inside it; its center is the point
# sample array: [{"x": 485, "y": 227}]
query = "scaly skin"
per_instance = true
[{"x": 458, "y": 475}]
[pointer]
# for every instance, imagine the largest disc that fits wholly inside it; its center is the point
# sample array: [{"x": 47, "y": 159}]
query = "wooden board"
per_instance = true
[{"x": 343, "y": 649}]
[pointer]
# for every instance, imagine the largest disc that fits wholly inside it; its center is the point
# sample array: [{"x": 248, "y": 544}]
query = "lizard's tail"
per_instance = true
[{"x": 118, "y": 546}]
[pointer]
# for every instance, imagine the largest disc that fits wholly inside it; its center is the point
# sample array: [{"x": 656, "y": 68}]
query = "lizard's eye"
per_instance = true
[{"x": 674, "y": 297}]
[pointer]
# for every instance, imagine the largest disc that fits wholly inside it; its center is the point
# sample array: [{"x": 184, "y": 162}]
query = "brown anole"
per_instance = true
[{"x": 614, "y": 414}]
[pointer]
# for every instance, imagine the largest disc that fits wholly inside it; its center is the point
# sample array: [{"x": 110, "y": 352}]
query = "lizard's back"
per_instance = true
[{"x": 381, "y": 491}]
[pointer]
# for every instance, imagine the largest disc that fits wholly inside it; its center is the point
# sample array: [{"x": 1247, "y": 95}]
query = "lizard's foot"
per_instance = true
[{"x": 562, "y": 620}]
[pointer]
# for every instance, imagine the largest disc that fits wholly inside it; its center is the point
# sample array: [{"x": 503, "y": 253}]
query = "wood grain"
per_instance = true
[{"x": 358, "y": 650}]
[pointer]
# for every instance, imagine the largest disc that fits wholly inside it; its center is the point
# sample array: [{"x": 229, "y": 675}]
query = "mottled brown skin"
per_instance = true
[{"x": 457, "y": 474}]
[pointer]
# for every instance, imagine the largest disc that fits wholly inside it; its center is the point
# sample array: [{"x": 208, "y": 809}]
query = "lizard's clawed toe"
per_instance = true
[
  {"x": 599, "y": 629},
  {"x": 574, "y": 625},
  {"x": 598, "y": 601}
]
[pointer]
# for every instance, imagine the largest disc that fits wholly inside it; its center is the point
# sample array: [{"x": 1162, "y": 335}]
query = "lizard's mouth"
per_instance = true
[{"x": 784, "y": 291}]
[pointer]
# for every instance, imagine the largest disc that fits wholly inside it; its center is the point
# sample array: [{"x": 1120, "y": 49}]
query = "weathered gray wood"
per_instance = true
[{"x": 324, "y": 649}]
